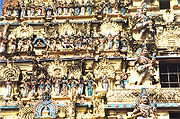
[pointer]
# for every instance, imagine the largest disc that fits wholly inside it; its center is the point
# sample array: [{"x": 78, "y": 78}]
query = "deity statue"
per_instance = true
[
  {"x": 42, "y": 87},
  {"x": 33, "y": 87},
  {"x": 26, "y": 89},
  {"x": 28, "y": 10},
  {"x": 109, "y": 7},
  {"x": 73, "y": 84},
  {"x": 122, "y": 79},
  {"x": 71, "y": 8},
  {"x": 13, "y": 46},
  {"x": 77, "y": 6},
  {"x": 91, "y": 43},
  {"x": 54, "y": 9},
  {"x": 144, "y": 22},
  {"x": 65, "y": 84},
  {"x": 39, "y": 12},
  {"x": 59, "y": 8},
  {"x": 33, "y": 9},
  {"x": 117, "y": 42},
  {"x": 10, "y": 9},
  {"x": 48, "y": 85},
  {"x": 2, "y": 47},
  {"x": 8, "y": 87},
  {"x": 110, "y": 41},
  {"x": 83, "y": 9},
  {"x": 144, "y": 64},
  {"x": 81, "y": 87},
  {"x": 57, "y": 86},
  {"x": 104, "y": 7},
  {"x": 49, "y": 11},
  {"x": 65, "y": 8},
  {"x": 43, "y": 9},
  {"x": 124, "y": 6},
  {"x": 116, "y": 7},
  {"x": 85, "y": 42},
  {"x": 48, "y": 45},
  {"x": 17, "y": 9},
  {"x": 20, "y": 45},
  {"x": 79, "y": 42},
  {"x": 143, "y": 109},
  {"x": 54, "y": 45},
  {"x": 105, "y": 82},
  {"x": 90, "y": 85},
  {"x": 101, "y": 40},
  {"x": 29, "y": 46},
  {"x": 23, "y": 8},
  {"x": 89, "y": 7}
]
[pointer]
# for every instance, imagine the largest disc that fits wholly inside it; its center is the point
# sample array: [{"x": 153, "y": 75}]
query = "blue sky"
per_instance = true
[{"x": 1, "y": 4}]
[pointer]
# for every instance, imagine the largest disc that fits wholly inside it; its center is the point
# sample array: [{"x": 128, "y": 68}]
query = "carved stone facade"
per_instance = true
[{"x": 90, "y": 59}]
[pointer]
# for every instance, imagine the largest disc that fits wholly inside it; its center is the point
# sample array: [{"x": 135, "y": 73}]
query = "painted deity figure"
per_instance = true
[
  {"x": 143, "y": 108},
  {"x": 29, "y": 45},
  {"x": 33, "y": 87},
  {"x": 49, "y": 11},
  {"x": 57, "y": 87},
  {"x": 116, "y": 7},
  {"x": 89, "y": 7},
  {"x": 60, "y": 8},
  {"x": 26, "y": 90},
  {"x": 117, "y": 42},
  {"x": 10, "y": 9},
  {"x": 48, "y": 85},
  {"x": 105, "y": 82},
  {"x": 83, "y": 8},
  {"x": 17, "y": 9},
  {"x": 33, "y": 9},
  {"x": 39, "y": 11},
  {"x": 73, "y": 84},
  {"x": 109, "y": 7},
  {"x": 65, "y": 8},
  {"x": 23, "y": 8},
  {"x": 20, "y": 45},
  {"x": 144, "y": 22},
  {"x": 77, "y": 5},
  {"x": 42, "y": 87},
  {"x": 48, "y": 45},
  {"x": 104, "y": 7},
  {"x": 91, "y": 43},
  {"x": 2, "y": 48},
  {"x": 144, "y": 64},
  {"x": 110, "y": 41},
  {"x": 79, "y": 42},
  {"x": 85, "y": 42},
  {"x": 71, "y": 8},
  {"x": 122, "y": 79},
  {"x": 101, "y": 40},
  {"x": 90, "y": 85},
  {"x": 81, "y": 87},
  {"x": 8, "y": 87},
  {"x": 13, "y": 47},
  {"x": 28, "y": 10},
  {"x": 65, "y": 84}
]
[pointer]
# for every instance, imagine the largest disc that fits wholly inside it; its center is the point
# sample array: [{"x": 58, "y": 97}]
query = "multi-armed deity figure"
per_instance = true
[
  {"x": 144, "y": 64},
  {"x": 144, "y": 109},
  {"x": 144, "y": 22}
]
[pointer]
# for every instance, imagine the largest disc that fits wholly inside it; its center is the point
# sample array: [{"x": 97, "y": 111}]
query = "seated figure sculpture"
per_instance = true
[{"x": 143, "y": 109}]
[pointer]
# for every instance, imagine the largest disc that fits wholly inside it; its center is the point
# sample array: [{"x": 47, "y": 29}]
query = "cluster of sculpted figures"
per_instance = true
[
  {"x": 73, "y": 8},
  {"x": 61, "y": 86},
  {"x": 65, "y": 42}
]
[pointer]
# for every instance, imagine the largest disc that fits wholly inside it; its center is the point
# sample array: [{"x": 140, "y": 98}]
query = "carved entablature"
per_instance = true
[
  {"x": 10, "y": 71},
  {"x": 169, "y": 40},
  {"x": 104, "y": 67},
  {"x": 109, "y": 27},
  {"x": 66, "y": 28},
  {"x": 23, "y": 31},
  {"x": 57, "y": 68}
]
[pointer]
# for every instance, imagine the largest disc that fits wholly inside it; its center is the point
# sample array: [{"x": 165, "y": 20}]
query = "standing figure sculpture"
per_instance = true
[
  {"x": 57, "y": 87},
  {"x": 65, "y": 84},
  {"x": 73, "y": 84},
  {"x": 8, "y": 87},
  {"x": 90, "y": 85},
  {"x": 81, "y": 88},
  {"x": 83, "y": 9},
  {"x": 105, "y": 83},
  {"x": 89, "y": 7}
]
